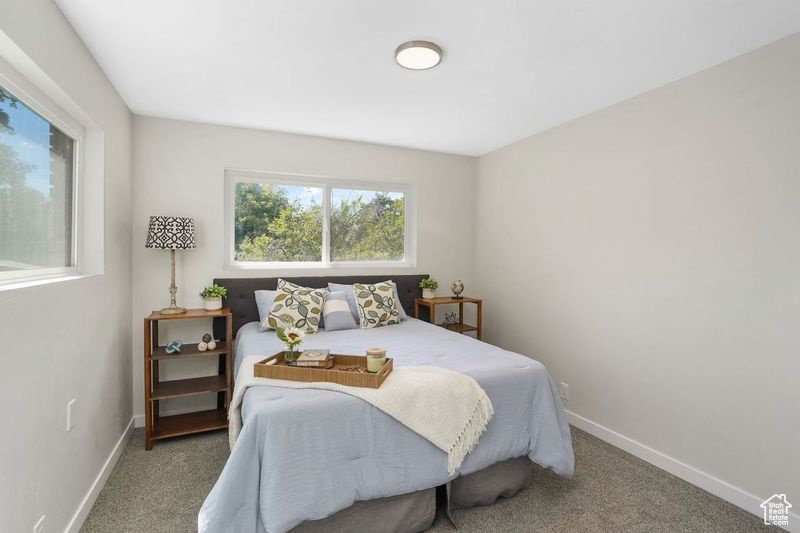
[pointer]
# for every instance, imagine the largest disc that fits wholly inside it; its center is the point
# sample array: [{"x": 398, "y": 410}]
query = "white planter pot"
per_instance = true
[
  {"x": 428, "y": 293},
  {"x": 212, "y": 304}
]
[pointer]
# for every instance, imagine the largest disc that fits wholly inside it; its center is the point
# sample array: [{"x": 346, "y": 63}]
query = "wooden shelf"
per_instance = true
[
  {"x": 189, "y": 314},
  {"x": 460, "y": 328},
  {"x": 186, "y": 424},
  {"x": 155, "y": 391},
  {"x": 188, "y": 350},
  {"x": 187, "y": 387},
  {"x": 449, "y": 300}
]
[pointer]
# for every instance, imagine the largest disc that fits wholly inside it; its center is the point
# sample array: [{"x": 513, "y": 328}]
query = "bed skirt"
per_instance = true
[
  {"x": 416, "y": 511},
  {"x": 484, "y": 487}
]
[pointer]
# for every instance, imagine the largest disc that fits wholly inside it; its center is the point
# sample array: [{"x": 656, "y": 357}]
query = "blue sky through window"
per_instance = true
[
  {"x": 29, "y": 138},
  {"x": 348, "y": 195},
  {"x": 306, "y": 196}
]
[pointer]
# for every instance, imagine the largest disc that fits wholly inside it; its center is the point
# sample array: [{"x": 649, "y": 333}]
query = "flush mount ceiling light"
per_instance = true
[{"x": 418, "y": 55}]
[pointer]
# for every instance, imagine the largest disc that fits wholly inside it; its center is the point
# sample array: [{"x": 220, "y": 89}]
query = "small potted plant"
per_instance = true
[
  {"x": 428, "y": 286},
  {"x": 212, "y": 295}
]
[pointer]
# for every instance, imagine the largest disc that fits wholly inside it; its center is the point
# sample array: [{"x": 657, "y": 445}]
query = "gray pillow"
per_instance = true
[
  {"x": 264, "y": 301},
  {"x": 336, "y": 312},
  {"x": 403, "y": 315},
  {"x": 349, "y": 294},
  {"x": 351, "y": 300}
]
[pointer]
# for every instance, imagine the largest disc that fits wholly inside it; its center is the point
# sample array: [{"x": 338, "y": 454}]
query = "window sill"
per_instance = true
[{"x": 24, "y": 284}]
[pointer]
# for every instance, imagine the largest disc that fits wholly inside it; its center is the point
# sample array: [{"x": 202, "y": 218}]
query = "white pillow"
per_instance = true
[
  {"x": 351, "y": 299},
  {"x": 377, "y": 304},
  {"x": 296, "y": 306},
  {"x": 264, "y": 301}
]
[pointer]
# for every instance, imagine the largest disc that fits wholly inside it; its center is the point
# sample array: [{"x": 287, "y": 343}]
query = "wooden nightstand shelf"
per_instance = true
[
  {"x": 162, "y": 427},
  {"x": 459, "y": 327}
]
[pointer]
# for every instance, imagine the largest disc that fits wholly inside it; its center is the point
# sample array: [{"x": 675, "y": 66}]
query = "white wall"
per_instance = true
[
  {"x": 657, "y": 242},
  {"x": 70, "y": 339},
  {"x": 656, "y": 245},
  {"x": 179, "y": 170}
]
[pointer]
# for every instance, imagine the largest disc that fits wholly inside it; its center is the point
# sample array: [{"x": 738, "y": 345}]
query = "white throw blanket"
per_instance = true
[{"x": 445, "y": 407}]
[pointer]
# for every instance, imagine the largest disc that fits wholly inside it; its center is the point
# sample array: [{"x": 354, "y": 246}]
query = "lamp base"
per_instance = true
[{"x": 172, "y": 310}]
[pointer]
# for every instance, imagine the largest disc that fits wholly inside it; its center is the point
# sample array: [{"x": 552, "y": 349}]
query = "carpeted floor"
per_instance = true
[{"x": 162, "y": 490}]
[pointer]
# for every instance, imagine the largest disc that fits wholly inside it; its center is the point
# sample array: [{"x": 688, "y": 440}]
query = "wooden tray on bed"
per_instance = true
[{"x": 272, "y": 367}]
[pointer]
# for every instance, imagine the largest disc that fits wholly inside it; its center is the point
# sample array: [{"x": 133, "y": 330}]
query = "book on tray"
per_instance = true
[{"x": 315, "y": 358}]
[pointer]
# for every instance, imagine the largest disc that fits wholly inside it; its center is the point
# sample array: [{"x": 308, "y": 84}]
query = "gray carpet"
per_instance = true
[{"x": 162, "y": 490}]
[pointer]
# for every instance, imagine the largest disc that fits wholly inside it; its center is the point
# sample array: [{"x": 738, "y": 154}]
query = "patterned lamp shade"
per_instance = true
[{"x": 170, "y": 233}]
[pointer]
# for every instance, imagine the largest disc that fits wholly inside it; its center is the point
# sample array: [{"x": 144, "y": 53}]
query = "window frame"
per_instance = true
[
  {"x": 28, "y": 94},
  {"x": 234, "y": 176}
]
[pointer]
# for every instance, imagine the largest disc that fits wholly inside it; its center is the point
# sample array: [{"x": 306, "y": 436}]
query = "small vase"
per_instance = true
[
  {"x": 212, "y": 304},
  {"x": 428, "y": 293},
  {"x": 290, "y": 356}
]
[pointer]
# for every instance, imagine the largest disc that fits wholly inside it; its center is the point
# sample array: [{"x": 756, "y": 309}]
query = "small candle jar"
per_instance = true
[{"x": 376, "y": 358}]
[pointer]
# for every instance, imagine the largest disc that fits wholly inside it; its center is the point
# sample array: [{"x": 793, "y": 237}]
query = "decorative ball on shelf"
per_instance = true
[
  {"x": 203, "y": 346},
  {"x": 174, "y": 346},
  {"x": 207, "y": 338},
  {"x": 457, "y": 287},
  {"x": 212, "y": 345}
]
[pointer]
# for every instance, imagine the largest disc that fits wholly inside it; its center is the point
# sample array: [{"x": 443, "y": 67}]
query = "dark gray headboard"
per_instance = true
[{"x": 242, "y": 301}]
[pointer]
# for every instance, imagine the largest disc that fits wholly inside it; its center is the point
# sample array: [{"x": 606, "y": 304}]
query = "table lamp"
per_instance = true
[{"x": 171, "y": 233}]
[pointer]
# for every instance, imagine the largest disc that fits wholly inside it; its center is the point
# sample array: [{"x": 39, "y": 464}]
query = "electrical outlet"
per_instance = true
[
  {"x": 39, "y": 527},
  {"x": 564, "y": 391},
  {"x": 71, "y": 413}
]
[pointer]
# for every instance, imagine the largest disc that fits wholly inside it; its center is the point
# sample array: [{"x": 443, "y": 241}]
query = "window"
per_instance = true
[
  {"x": 278, "y": 223},
  {"x": 282, "y": 220},
  {"x": 367, "y": 225},
  {"x": 37, "y": 192}
]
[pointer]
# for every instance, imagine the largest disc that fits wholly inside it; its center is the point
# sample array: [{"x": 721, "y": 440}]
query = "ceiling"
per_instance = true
[{"x": 322, "y": 67}]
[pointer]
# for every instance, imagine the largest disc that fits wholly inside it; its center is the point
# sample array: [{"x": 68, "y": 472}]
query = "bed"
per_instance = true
[{"x": 315, "y": 460}]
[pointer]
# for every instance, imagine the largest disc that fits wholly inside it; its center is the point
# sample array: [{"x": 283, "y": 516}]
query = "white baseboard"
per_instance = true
[
  {"x": 738, "y": 497},
  {"x": 94, "y": 491},
  {"x": 138, "y": 421}
]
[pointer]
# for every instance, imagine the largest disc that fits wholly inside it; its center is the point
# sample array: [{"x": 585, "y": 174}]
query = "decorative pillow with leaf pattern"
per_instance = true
[
  {"x": 377, "y": 305},
  {"x": 296, "y": 306}
]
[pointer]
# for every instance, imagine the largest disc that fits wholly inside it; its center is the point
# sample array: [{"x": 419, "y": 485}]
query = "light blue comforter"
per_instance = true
[{"x": 304, "y": 454}]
